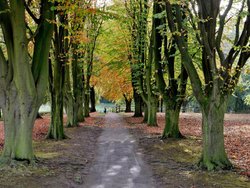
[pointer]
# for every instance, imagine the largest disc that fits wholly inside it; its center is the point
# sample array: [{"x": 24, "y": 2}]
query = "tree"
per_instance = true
[
  {"x": 142, "y": 58},
  {"x": 77, "y": 11},
  {"x": 165, "y": 60},
  {"x": 92, "y": 99},
  {"x": 93, "y": 26},
  {"x": 221, "y": 70},
  {"x": 57, "y": 75},
  {"x": 23, "y": 82},
  {"x": 112, "y": 70}
]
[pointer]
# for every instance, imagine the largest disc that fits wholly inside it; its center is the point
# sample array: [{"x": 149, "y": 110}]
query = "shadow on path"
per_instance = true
[{"x": 117, "y": 162}]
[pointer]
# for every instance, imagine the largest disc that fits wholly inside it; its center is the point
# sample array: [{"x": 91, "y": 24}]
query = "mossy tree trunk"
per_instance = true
[
  {"x": 86, "y": 101},
  {"x": 171, "y": 129},
  {"x": 57, "y": 79},
  {"x": 69, "y": 99},
  {"x": 218, "y": 67},
  {"x": 152, "y": 113},
  {"x": 22, "y": 86},
  {"x": 145, "y": 109},
  {"x": 213, "y": 151},
  {"x": 138, "y": 56},
  {"x": 56, "y": 130},
  {"x": 172, "y": 86}
]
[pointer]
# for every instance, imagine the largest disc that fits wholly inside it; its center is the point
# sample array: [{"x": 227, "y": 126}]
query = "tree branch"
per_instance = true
[
  {"x": 241, "y": 43},
  {"x": 220, "y": 30},
  {"x": 36, "y": 20},
  {"x": 3, "y": 65},
  {"x": 237, "y": 25},
  {"x": 183, "y": 48},
  {"x": 41, "y": 49}
]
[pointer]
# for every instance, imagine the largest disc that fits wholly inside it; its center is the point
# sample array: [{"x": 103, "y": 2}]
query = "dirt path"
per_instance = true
[
  {"x": 118, "y": 163},
  {"x": 114, "y": 152},
  {"x": 62, "y": 164}
]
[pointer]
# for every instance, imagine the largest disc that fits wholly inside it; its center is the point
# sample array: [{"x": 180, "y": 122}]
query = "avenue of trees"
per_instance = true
[{"x": 141, "y": 50}]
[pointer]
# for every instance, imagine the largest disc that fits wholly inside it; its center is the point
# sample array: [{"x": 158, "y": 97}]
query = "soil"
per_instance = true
[
  {"x": 67, "y": 163},
  {"x": 63, "y": 163}
]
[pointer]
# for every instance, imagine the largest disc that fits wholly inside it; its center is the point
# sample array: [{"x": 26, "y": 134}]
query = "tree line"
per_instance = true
[{"x": 170, "y": 47}]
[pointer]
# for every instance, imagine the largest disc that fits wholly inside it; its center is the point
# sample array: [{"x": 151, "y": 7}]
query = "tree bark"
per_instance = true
[
  {"x": 213, "y": 152},
  {"x": 18, "y": 126},
  {"x": 171, "y": 129},
  {"x": 138, "y": 104},
  {"x": 24, "y": 85},
  {"x": 145, "y": 109},
  {"x": 80, "y": 114},
  {"x": 86, "y": 103},
  {"x": 92, "y": 99},
  {"x": 56, "y": 130},
  {"x": 128, "y": 105},
  {"x": 152, "y": 113}
]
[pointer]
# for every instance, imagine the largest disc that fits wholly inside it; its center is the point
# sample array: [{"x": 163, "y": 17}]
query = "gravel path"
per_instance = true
[{"x": 118, "y": 162}]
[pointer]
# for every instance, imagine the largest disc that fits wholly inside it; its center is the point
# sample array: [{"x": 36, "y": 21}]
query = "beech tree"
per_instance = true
[
  {"x": 93, "y": 26},
  {"x": 171, "y": 87},
  {"x": 23, "y": 82},
  {"x": 57, "y": 76},
  {"x": 221, "y": 69},
  {"x": 143, "y": 76}
]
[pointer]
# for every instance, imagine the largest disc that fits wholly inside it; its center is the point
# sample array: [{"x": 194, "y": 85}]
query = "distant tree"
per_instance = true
[
  {"x": 142, "y": 58},
  {"x": 93, "y": 24}
]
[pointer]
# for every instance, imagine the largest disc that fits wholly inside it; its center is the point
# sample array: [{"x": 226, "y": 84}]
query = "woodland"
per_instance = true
[{"x": 140, "y": 53}]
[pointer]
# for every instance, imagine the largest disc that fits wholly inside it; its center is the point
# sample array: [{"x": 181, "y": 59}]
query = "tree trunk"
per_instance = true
[
  {"x": 69, "y": 108},
  {"x": 152, "y": 113},
  {"x": 56, "y": 130},
  {"x": 171, "y": 129},
  {"x": 92, "y": 99},
  {"x": 128, "y": 105},
  {"x": 86, "y": 103},
  {"x": 78, "y": 85},
  {"x": 138, "y": 104},
  {"x": 18, "y": 126},
  {"x": 213, "y": 154},
  {"x": 145, "y": 109},
  {"x": 69, "y": 99},
  {"x": 80, "y": 114}
]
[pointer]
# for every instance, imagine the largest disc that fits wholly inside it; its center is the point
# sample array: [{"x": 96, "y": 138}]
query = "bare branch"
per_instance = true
[
  {"x": 36, "y": 20},
  {"x": 241, "y": 43},
  {"x": 195, "y": 27},
  {"x": 182, "y": 45},
  {"x": 237, "y": 25},
  {"x": 3, "y": 65},
  {"x": 220, "y": 31}
]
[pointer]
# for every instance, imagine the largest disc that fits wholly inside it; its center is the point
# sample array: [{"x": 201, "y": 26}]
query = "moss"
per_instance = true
[
  {"x": 177, "y": 158},
  {"x": 184, "y": 151},
  {"x": 219, "y": 179},
  {"x": 47, "y": 155}
]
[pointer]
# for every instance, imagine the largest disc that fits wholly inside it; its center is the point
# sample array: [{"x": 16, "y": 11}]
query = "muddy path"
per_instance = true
[
  {"x": 61, "y": 163},
  {"x": 118, "y": 160}
]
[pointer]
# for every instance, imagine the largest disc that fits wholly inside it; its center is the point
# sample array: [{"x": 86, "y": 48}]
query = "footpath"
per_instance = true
[{"x": 118, "y": 163}]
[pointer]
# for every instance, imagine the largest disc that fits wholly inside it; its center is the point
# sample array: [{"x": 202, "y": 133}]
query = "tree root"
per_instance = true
[{"x": 212, "y": 165}]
